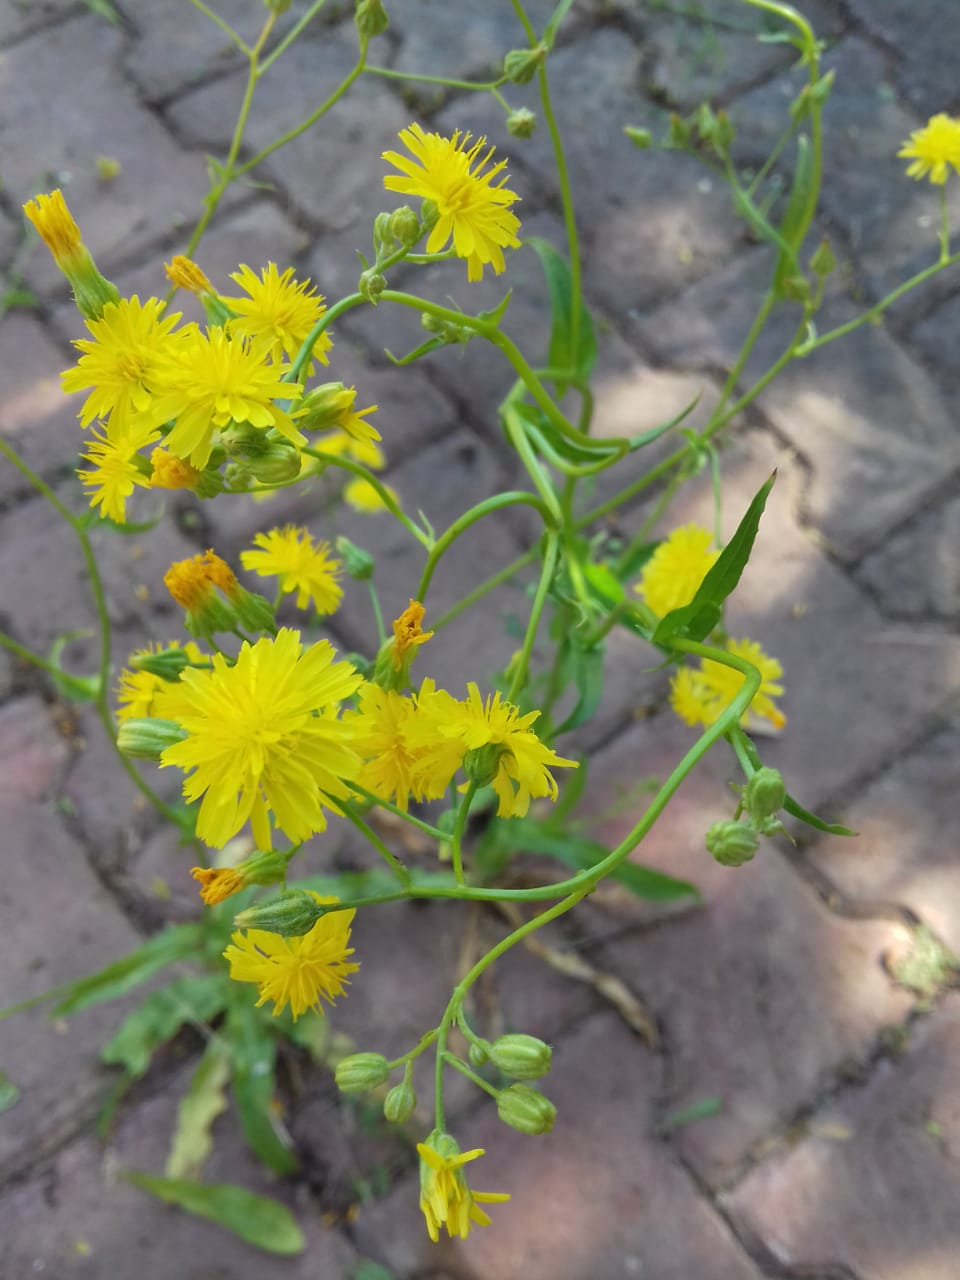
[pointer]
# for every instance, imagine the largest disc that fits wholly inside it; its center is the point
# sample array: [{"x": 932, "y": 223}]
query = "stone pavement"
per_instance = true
[{"x": 797, "y": 1114}]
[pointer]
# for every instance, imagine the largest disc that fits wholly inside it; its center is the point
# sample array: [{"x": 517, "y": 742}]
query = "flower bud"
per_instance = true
[
  {"x": 521, "y": 123},
  {"x": 405, "y": 226},
  {"x": 526, "y": 1109},
  {"x": 732, "y": 843},
  {"x": 520, "y": 1056},
  {"x": 167, "y": 664},
  {"x": 147, "y": 739},
  {"x": 822, "y": 261},
  {"x": 679, "y": 134},
  {"x": 254, "y": 612},
  {"x": 371, "y": 18},
  {"x": 358, "y": 563},
  {"x": 429, "y": 214},
  {"x": 55, "y": 225},
  {"x": 641, "y": 138},
  {"x": 479, "y": 1051},
  {"x": 323, "y": 406},
  {"x": 291, "y": 914},
  {"x": 361, "y": 1072},
  {"x": 765, "y": 793},
  {"x": 277, "y": 6},
  {"x": 520, "y": 65},
  {"x": 796, "y": 288},
  {"x": 449, "y": 331},
  {"x": 280, "y": 462},
  {"x": 400, "y": 1103},
  {"x": 723, "y": 132},
  {"x": 219, "y": 883},
  {"x": 482, "y": 764},
  {"x": 382, "y": 235},
  {"x": 370, "y": 285}
]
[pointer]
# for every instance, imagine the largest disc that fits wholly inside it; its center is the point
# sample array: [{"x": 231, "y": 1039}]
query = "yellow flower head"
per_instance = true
[
  {"x": 407, "y": 632},
  {"x": 170, "y": 472},
  {"x": 302, "y": 565},
  {"x": 280, "y": 309},
  {"x": 142, "y": 693},
  {"x": 56, "y": 227},
  {"x": 215, "y": 379},
  {"x": 218, "y": 883},
  {"x": 114, "y": 472},
  {"x": 473, "y": 208},
  {"x": 673, "y": 573},
  {"x": 184, "y": 274},
  {"x": 365, "y": 498},
  {"x": 192, "y": 581},
  {"x": 445, "y": 1199},
  {"x": 700, "y": 695},
  {"x": 296, "y": 971},
  {"x": 379, "y": 732},
  {"x": 263, "y": 735},
  {"x": 446, "y": 730},
  {"x": 933, "y": 148},
  {"x": 121, "y": 363}
]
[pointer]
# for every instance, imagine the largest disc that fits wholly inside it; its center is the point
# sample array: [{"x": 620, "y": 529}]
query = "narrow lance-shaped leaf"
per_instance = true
[
  {"x": 253, "y": 1048},
  {"x": 195, "y": 998},
  {"x": 561, "y": 354},
  {"x": 204, "y": 1100}
]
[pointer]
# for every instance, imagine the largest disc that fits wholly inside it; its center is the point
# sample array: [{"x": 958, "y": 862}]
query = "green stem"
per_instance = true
[
  {"x": 456, "y": 841},
  {"x": 440, "y": 836},
  {"x": 292, "y": 35},
  {"x": 423, "y": 1043},
  {"x": 521, "y": 664},
  {"x": 390, "y": 74},
  {"x": 355, "y": 468},
  {"x": 377, "y": 612},
  {"x": 458, "y": 1064},
  {"x": 521, "y": 442},
  {"x": 393, "y": 862},
  {"x": 224, "y": 26}
]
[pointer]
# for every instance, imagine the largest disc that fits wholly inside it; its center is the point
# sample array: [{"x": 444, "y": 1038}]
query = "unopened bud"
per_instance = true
[
  {"x": 323, "y": 406},
  {"x": 167, "y": 664},
  {"x": 520, "y": 1056},
  {"x": 405, "y": 226},
  {"x": 358, "y": 563},
  {"x": 521, "y": 123},
  {"x": 361, "y": 1072},
  {"x": 679, "y": 134},
  {"x": 371, "y": 18},
  {"x": 641, "y": 138},
  {"x": 382, "y": 235},
  {"x": 291, "y": 914},
  {"x": 520, "y": 65},
  {"x": 370, "y": 285},
  {"x": 732, "y": 843},
  {"x": 281, "y": 462},
  {"x": 765, "y": 793},
  {"x": 479, "y": 1051},
  {"x": 277, "y": 6},
  {"x": 147, "y": 739},
  {"x": 795, "y": 288},
  {"x": 400, "y": 1103},
  {"x": 723, "y": 132},
  {"x": 526, "y": 1109},
  {"x": 429, "y": 214},
  {"x": 254, "y": 612},
  {"x": 822, "y": 261}
]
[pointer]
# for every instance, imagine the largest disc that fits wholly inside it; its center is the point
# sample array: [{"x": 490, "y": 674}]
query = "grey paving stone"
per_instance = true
[
  {"x": 22, "y": 16},
  {"x": 79, "y": 1218},
  {"x": 933, "y": 334},
  {"x": 722, "y": 982},
  {"x": 10, "y": 233},
  {"x": 873, "y": 1186},
  {"x": 333, "y": 172},
  {"x": 917, "y": 573},
  {"x": 35, "y": 416},
  {"x": 62, "y": 118},
  {"x": 875, "y": 428},
  {"x": 598, "y": 1197},
  {"x": 923, "y": 65},
  {"x": 904, "y": 850},
  {"x": 891, "y": 220},
  {"x": 438, "y": 40},
  {"x": 651, "y": 222}
]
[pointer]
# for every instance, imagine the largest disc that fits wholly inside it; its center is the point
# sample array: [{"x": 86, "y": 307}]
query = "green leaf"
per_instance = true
[
  {"x": 160, "y": 1017},
  {"x": 9, "y": 1093},
  {"x": 578, "y": 451},
  {"x": 697, "y": 619},
  {"x": 105, "y": 10},
  {"x": 253, "y": 1047},
  {"x": 134, "y": 527},
  {"x": 804, "y": 815},
  {"x": 561, "y": 354},
  {"x": 496, "y": 314},
  {"x": 553, "y": 24},
  {"x": 702, "y": 1109},
  {"x": 792, "y": 227},
  {"x": 257, "y": 1219},
  {"x": 175, "y": 942},
  {"x": 204, "y": 1100},
  {"x": 585, "y": 669},
  {"x": 367, "y": 1270},
  {"x": 76, "y": 688}
]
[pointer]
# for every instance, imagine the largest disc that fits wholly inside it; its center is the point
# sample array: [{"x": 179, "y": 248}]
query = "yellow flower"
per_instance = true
[
  {"x": 700, "y": 695},
  {"x": 933, "y": 148},
  {"x": 673, "y": 573},
  {"x": 56, "y": 227},
  {"x": 142, "y": 693},
  {"x": 291, "y": 555},
  {"x": 218, "y": 883},
  {"x": 184, "y": 274},
  {"x": 446, "y": 730},
  {"x": 296, "y": 971},
  {"x": 114, "y": 472},
  {"x": 473, "y": 209},
  {"x": 279, "y": 308},
  {"x": 363, "y": 497},
  {"x": 263, "y": 735},
  {"x": 378, "y": 731},
  {"x": 445, "y": 1198},
  {"x": 214, "y": 380},
  {"x": 121, "y": 363},
  {"x": 170, "y": 472},
  {"x": 407, "y": 632}
]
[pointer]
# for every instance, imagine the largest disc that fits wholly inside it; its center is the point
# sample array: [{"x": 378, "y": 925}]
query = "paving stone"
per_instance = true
[
  {"x": 650, "y": 222},
  {"x": 22, "y": 16},
  {"x": 923, "y": 67},
  {"x": 59, "y": 123},
  {"x": 904, "y": 851},
  {"x": 933, "y": 334},
  {"x": 890, "y": 220},
  {"x": 917, "y": 572},
  {"x": 79, "y": 1218},
  {"x": 10, "y": 233},
  {"x": 6, "y": 675},
  {"x": 598, "y": 1197},
  {"x": 876, "y": 429},
  {"x": 439, "y": 40},
  {"x": 763, "y": 996},
  {"x": 873, "y": 1185},
  {"x": 35, "y": 417},
  {"x": 58, "y": 923},
  {"x": 33, "y": 751},
  {"x": 333, "y": 171}
]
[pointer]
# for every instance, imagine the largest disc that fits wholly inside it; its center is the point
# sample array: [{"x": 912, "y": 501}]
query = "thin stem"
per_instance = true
[
  {"x": 292, "y": 35},
  {"x": 458, "y": 1064},
  {"x": 377, "y": 612},
  {"x": 944, "y": 226},
  {"x": 456, "y": 841},
  {"x": 521, "y": 442},
  {"x": 355, "y": 468},
  {"x": 390, "y": 74},
  {"x": 223, "y": 25},
  {"x": 393, "y": 862},
  {"x": 423, "y": 1043},
  {"x": 440, "y": 836},
  {"x": 521, "y": 665}
]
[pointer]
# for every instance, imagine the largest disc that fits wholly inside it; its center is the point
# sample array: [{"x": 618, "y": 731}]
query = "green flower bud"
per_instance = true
[
  {"x": 167, "y": 664},
  {"x": 429, "y": 214},
  {"x": 382, "y": 235},
  {"x": 371, "y": 18},
  {"x": 237, "y": 477},
  {"x": 405, "y": 226},
  {"x": 822, "y": 261},
  {"x": 291, "y": 914},
  {"x": 641, "y": 138},
  {"x": 370, "y": 285},
  {"x": 146, "y": 739},
  {"x": 400, "y": 1103},
  {"x": 361, "y": 1072},
  {"x": 358, "y": 563},
  {"x": 323, "y": 406},
  {"x": 765, "y": 793},
  {"x": 209, "y": 484},
  {"x": 526, "y": 1109},
  {"x": 732, "y": 843},
  {"x": 241, "y": 440},
  {"x": 281, "y": 462},
  {"x": 723, "y": 132},
  {"x": 450, "y": 333},
  {"x": 482, "y": 764},
  {"x": 277, "y": 6},
  {"x": 254, "y": 613},
  {"x": 705, "y": 122},
  {"x": 796, "y": 288},
  {"x": 479, "y": 1053},
  {"x": 265, "y": 867},
  {"x": 520, "y": 65},
  {"x": 521, "y": 123},
  {"x": 522, "y": 1057},
  {"x": 679, "y": 135}
]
